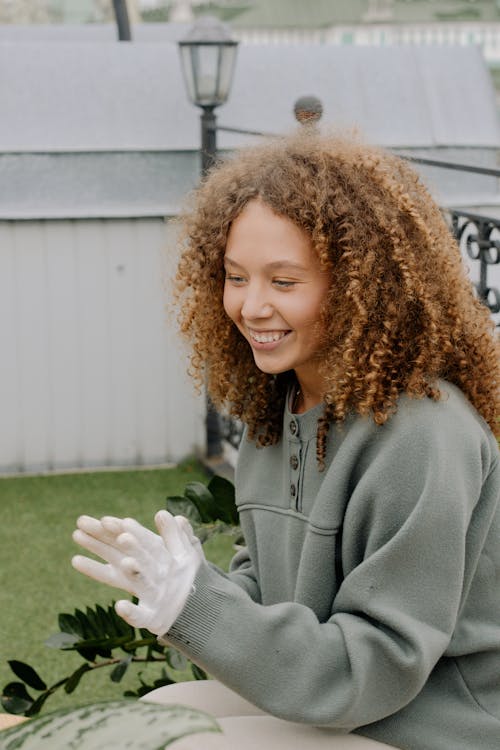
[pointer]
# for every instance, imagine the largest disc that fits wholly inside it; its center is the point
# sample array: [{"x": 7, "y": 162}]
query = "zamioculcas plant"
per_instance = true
[{"x": 104, "y": 640}]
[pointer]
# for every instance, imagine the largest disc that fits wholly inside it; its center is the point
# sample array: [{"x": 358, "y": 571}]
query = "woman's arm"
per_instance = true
[{"x": 406, "y": 570}]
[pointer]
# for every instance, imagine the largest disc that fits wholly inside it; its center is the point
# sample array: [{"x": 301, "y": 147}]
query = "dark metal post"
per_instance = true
[
  {"x": 207, "y": 56},
  {"x": 208, "y": 156},
  {"x": 122, "y": 20},
  {"x": 208, "y": 139}
]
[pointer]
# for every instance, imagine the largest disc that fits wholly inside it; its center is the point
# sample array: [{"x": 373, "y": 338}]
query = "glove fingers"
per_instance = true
[
  {"x": 100, "y": 572},
  {"x": 189, "y": 536},
  {"x": 94, "y": 527},
  {"x": 175, "y": 541},
  {"x": 131, "y": 613},
  {"x": 114, "y": 526},
  {"x": 148, "y": 539},
  {"x": 186, "y": 529},
  {"x": 137, "y": 549},
  {"x": 97, "y": 547}
]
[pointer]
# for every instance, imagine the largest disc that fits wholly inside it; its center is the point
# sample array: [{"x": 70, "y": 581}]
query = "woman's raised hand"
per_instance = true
[{"x": 159, "y": 569}]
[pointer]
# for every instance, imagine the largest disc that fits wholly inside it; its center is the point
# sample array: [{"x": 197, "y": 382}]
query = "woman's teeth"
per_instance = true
[{"x": 266, "y": 338}]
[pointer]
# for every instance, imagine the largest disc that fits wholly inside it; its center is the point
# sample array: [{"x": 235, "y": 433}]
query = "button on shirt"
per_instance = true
[{"x": 300, "y": 442}]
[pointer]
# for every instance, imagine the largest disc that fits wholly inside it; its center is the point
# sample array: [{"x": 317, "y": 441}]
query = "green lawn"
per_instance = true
[{"x": 37, "y": 580}]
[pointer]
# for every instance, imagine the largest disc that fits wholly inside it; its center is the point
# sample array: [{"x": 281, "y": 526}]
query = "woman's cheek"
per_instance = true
[
  {"x": 226, "y": 300},
  {"x": 229, "y": 302}
]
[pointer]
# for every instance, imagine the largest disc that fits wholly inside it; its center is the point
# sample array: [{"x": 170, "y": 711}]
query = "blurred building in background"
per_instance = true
[
  {"x": 350, "y": 22},
  {"x": 99, "y": 147}
]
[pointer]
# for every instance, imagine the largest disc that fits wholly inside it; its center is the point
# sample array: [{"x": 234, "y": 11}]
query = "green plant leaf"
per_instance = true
[
  {"x": 89, "y": 654},
  {"x": 140, "y": 643},
  {"x": 224, "y": 495},
  {"x": 105, "y": 643},
  {"x": 69, "y": 624},
  {"x": 181, "y": 506},
  {"x": 103, "y": 617},
  {"x": 64, "y": 641},
  {"x": 15, "y": 705},
  {"x": 94, "y": 624},
  {"x": 111, "y": 724},
  {"x": 198, "y": 672},
  {"x": 84, "y": 624},
  {"x": 176, "y": 660},
  {"x": 27, "y": 674},
  {"x": 161, "y": 681},
  {"x": 203, "y": 500},
  {"x": 15, "y": 698},
  {"x": 37, "y": 705},
  {"x": 118, "y": 626},
  {"x": 142, "y": 690},
  {"x": 75, "y": 678},
  {"x": 93, "y": 647},
  {"x": 120, "y": 669}
]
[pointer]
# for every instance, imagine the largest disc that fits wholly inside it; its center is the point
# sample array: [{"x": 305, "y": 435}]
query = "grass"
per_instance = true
[{"x": 37, "y": 580}]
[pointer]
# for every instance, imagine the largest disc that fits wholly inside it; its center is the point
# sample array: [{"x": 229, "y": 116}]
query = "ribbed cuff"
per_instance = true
[{"x": 199, "y": 617}]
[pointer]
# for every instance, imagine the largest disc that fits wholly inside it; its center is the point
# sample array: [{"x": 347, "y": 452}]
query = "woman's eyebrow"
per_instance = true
[
  {"x": 278, "y": 264},
  {"x": 274, "y": 265}
]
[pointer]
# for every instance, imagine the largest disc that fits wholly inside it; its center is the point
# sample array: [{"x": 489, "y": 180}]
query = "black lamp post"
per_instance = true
[
  {"x": 208, "y": 55},
  {"x": 122, "y": 20}
]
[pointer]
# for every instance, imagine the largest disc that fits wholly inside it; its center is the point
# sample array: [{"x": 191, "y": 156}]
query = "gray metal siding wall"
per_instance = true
[{"x": 92, "y": 372}]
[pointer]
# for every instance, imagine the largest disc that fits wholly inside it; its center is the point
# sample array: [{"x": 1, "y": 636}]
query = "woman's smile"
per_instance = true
[{"x": 262, "y": 339}]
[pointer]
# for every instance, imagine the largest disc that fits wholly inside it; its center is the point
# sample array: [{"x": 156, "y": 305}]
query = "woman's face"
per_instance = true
[{"x": 274, "y": 291}]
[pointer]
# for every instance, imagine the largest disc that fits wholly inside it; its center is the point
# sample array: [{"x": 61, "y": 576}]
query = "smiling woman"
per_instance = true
[
  {"x": 274, "y": 291},
  {"x": 327, "y": 306}
]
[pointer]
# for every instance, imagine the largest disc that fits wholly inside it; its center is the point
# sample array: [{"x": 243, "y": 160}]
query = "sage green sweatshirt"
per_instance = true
[{"x": 368, "y": 597}]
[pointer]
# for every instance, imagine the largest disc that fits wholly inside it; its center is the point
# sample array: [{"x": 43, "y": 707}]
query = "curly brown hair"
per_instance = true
[{"x": 400, "y": 312}]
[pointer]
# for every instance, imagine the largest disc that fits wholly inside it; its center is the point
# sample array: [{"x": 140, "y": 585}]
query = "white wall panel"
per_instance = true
[
  {"x": 63, "y": 343},
  {"x": 35, "y": 366},
  {"x": 122, "y": 341},
  {"x": 152, "y": 361},
  {"x": 93, "y": 335},
  {"x": 92, "y": 372},
  {"x": 10, "y": 443}
]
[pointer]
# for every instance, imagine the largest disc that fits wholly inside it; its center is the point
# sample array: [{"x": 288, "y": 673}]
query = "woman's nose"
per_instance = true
[{"x": 255, "y": 305}]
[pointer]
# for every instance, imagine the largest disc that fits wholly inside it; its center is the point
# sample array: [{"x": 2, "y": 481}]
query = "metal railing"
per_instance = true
[{"x": 479, "y": 237}]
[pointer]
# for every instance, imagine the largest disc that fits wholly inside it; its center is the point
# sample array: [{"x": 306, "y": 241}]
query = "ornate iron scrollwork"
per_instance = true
[
  {"x": 479, "y": 237},
  {"x": 231, "y": 430}
]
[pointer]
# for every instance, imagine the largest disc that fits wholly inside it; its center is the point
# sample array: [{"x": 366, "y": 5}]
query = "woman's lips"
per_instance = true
[{"x": 266, "y": 340}]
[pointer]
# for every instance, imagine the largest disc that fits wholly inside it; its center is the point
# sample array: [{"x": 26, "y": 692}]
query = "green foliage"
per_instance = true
[
  {"x": 111, "y": 725},
  {"x": 211, "y": 509},
  {"x": 103, "y": 640}
]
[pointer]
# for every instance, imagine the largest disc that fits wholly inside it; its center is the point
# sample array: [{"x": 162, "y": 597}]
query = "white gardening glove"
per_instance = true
[{"x": 158, "y": 570}]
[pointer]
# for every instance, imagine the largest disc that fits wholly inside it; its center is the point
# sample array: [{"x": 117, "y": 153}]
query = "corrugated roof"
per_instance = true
[
  {"x": 110, "y": 96},
  {"x": 105, "y": 129},
  {"x": 104, "y": 185},
  {"x": 83, "y": 185}
]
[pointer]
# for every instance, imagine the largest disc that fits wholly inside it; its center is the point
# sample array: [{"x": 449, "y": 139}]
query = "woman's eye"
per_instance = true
[
  {"x": 234, "y": 278},
  {"x": 283, "y": 284}
]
